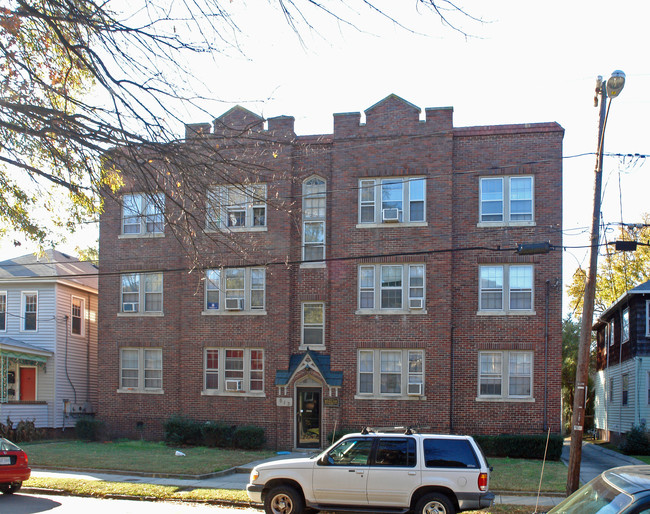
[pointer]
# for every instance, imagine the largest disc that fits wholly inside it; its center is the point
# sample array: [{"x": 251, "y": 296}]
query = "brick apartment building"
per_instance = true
[{"x": 363, "y": 277}]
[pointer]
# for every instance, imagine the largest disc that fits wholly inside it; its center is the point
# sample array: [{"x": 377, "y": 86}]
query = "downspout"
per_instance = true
[
  {"x": 608, "y": 345},
  {"x": 67, "y": 375},
  {"x": 87, "y": 349},
  {"x": 620, "y": 372},
  {"x": 548, "y": 291},
  {"x": 637, "y": 407},
  {"x": 451, "y": 381}
]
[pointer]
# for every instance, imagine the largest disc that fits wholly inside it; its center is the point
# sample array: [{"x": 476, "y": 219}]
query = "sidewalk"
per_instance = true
[{"x": 595, "y": 459}]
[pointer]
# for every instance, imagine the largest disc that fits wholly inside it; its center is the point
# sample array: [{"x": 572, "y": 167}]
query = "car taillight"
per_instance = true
[
  {"x": 22, "y": 458},
  {"x": 483, "y": 481}
]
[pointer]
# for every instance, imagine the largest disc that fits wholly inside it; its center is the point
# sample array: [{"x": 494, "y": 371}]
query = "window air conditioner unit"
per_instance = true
[
  {"x": 235, "y": 304},
  {"x": 416, "y": 303},
  {"x": 390, "y": 214},
  {"x": 129, "y": 307},
  {"x": 233, "y": 385},
  {"x": 415, "y": 389}
]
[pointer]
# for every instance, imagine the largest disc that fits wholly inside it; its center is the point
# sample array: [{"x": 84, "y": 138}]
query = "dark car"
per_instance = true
[
  {"x": 625, "y": 489},
  {"x": 14, "y": 467}
]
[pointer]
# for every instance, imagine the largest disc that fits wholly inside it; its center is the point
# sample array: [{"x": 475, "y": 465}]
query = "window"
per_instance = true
[
  {"x": 396, "y": 452},
  {"x": 142, "y": 292},
  {"x": 234, "y": 370},
  {"x": 30, "y": 311},
  {"x": 449, "y": 453},
  {"x": 351, "y": 452},
  {"x": 76, "y": 316},
  {"x": 609, "y": 340},
  {"x": 506, "y": 288},
  {"x": 625, "y": 325},
  {"x": 505, "y": 374},
  {"x": 611, "y": 389},
  {"x": 314, "y": 205},
  {"x": 391, "y": 287},
  {"x": 313, "y": 324},
  {"x": 506, "y": 200},
  {"x": 237, "y": 206},
  {"x": 391, "y": 373},
  {"x": 625, "y": 387},
  {"x": 3, "y": 311},
  {"x": 141, "y": 369},
  {"x": 647, "y": 318},
  {"x": 390, "y": 200},
  {"x": 230, "y": 290},
  {"x": 143, "y": 213}
]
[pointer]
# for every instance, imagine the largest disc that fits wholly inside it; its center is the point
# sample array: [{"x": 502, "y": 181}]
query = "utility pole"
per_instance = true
[{"x": 612, "y": 89}]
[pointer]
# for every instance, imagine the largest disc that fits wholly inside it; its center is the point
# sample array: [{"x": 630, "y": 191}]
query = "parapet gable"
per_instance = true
[{"x": 392, "y": 115}]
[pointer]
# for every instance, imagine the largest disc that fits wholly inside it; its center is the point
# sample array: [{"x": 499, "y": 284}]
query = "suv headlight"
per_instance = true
[{"x": 254, "y": 475}]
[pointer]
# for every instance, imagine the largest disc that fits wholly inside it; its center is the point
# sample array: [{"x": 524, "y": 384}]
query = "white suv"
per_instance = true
[{"x": 377, "y": 472}]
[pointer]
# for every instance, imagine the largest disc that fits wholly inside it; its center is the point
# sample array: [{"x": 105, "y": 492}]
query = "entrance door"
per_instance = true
[
  {"x": 27, "y": 384},
  {"x": 308, "y": 418}
]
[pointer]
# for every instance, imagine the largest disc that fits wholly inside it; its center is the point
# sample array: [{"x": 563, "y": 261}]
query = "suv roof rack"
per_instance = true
[{"x": 392, "y": 430}]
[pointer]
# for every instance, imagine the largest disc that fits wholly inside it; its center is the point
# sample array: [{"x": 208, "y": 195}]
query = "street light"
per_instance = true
[{"x": 612, "y": 89}]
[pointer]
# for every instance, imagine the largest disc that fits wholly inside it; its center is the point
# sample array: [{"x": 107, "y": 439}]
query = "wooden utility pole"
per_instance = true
[{"x": 584, "y": 344}]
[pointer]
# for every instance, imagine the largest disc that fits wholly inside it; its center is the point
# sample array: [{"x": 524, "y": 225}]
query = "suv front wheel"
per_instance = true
[
  {"x": 434, "y": 503},
  {"x": 283, "y": 500}
]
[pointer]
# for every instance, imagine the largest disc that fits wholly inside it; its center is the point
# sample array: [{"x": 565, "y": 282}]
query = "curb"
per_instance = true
[
  {"x": 530, "y": 494},
  {"x": 60, "y": 492}
]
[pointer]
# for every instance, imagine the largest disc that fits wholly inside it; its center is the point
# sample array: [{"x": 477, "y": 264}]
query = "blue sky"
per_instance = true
[{"x": 527, "y": 62}]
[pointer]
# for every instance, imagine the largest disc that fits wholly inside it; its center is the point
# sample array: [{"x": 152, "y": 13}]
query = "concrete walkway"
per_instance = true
[{"x": 595, "y": 460}]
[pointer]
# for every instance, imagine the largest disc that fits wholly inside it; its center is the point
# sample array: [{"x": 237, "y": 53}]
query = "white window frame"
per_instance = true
[
  {"x": 3, "y": 312},
  {"x": 314, "y": 189},
  {"x": 370, "y": 200},
  {"x": 141, "y": 293},
  {"x": 647, "y": 318},
  {"x": 408, "y": 374},
  {"x": 506, "y": 200},
  {"x": 374, "y": 291},
  {"x": 220, "y": 209},
  {"x": 504, "y": 374},
  {"x": 82, "y": 315},
  {"x": 23, "y": 307},
  {"x": 306, "y": 325},
  {"x": 143, "y": 383},
  {"x": 247, "y": 375},
  {"x": 625, "y": 325},
  {"x": 216, "y": 282},
  {"x": 147, "y": 216},
  {"x": 506, "y": 290},
  {"x": 625, "y": 389}
]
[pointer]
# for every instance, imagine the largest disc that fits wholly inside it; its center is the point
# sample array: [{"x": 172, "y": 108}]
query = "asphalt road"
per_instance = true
[{"x": 21, "y": 503}]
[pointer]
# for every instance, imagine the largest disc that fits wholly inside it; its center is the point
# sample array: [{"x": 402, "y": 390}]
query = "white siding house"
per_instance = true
[{"x": 48, "y": 339}]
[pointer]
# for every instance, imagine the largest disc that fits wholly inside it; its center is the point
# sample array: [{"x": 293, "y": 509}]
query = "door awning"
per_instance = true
[{"x": 14, "y": 349}]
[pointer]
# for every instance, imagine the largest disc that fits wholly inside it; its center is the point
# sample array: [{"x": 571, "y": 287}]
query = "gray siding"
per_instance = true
[
  {"x": 71, "y": 373},
  {"x": 610, "y": 413},
  {"x": 76, "y": 358}
]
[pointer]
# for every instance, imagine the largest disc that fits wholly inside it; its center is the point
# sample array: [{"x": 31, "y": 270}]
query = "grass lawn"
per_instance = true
[
  {"x": 141, "y": 456},
  {"x": 524, "y": 475}
]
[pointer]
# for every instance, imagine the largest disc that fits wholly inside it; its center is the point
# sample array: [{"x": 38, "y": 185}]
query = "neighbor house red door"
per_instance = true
[{"x": 27, "y": 384}]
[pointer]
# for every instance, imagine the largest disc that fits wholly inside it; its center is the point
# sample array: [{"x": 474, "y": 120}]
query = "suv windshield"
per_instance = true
[{"x": 597, "y": 496}]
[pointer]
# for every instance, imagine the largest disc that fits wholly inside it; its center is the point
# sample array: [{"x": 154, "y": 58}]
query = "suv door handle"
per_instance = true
[{"x": 412, "y": 473}]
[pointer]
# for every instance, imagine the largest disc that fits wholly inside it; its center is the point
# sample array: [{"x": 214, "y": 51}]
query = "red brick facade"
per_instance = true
[{"x": 438, "y": 344}]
